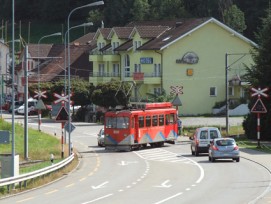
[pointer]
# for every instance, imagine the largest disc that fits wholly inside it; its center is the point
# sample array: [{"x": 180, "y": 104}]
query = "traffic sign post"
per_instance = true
[
  {"x": 177, "y": 102},
  {"x": 259, "y": 108},
  {"x": 62, "y": 116},
  {"x": 39, "y": 95}
]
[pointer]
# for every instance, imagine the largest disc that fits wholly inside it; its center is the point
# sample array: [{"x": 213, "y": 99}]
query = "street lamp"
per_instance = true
[
  {"x": 46, "y": 36},
  {"x": 69, "y": 70},
  {"x": 39, "y": 92},
  {"x": 65, "y": 41}
]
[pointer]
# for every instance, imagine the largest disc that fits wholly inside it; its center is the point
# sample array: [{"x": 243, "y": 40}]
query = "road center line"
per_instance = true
[
  {"x": 27, "y": 199},
  {"x": 98, "y": 198}
]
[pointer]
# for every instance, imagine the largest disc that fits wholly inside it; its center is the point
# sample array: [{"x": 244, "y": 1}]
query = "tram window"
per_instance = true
[
  {"x": 111, "y": 122},
  {"x": 122, "y": 122},
  {"x": 161, "y": 120},
  {"x": 148, "y": 121},
  {"x": 141, "y": 121},
  {"x": 154, "y": 120},
  {"x": 170, "y": 118}
]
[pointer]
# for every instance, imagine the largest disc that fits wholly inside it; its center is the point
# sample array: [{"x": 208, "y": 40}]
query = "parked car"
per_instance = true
[
  {"x": 17, "y": 104},
  {"x": 201, "y": 139},
  {"x": 224, "y": 148},
  {"x": 31, "y": 107},
  {"x": 101, "y": 138}
]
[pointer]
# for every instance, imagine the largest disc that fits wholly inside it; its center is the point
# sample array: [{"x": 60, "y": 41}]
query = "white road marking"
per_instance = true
[
  {"x": 164, "y": 185},
  {"x": 27, "y": 199},
  {"x": 99, "y": 186},
  {"x": 162, "y": 201},
  {"x": 100, "y": 198}
]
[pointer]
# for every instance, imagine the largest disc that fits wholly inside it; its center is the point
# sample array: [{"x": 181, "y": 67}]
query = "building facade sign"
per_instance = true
[
  {"x": 188, "y": 58},
  {"x": 146, "y": 60}
]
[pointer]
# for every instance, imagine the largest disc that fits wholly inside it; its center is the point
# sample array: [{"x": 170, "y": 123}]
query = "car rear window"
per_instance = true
[
  {"x": 213, "y": 134},
  {"x": 204, "y": 134},
  {"x": 224, "y": 142}
]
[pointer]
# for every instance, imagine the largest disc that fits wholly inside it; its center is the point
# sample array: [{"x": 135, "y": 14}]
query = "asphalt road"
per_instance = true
[{"x": 153, "y": 175}]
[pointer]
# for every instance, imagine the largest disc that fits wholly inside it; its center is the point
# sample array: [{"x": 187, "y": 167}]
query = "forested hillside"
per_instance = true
[{"x": 235, "y": 13}]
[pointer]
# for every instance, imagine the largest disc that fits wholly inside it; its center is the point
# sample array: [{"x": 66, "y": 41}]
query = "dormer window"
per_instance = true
[
  {"x": 114, "y": 46},
  {"x": 137, "y": 44}
]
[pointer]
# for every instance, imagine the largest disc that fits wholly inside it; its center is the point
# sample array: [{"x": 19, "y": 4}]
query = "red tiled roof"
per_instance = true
[
  {"x": 56, "y": 67},
  {"x": 150, "y": 31},
  {"x": 122, "y": 32},
  {"x": 125, "y": 46},
  {"x": 86, "y": 39},
  {"x": 172, "y": 34},
  {"x": 39, "y": 50}
]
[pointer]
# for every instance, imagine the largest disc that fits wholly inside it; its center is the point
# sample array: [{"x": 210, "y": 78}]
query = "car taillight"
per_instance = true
[
  {"x": 236, "y": 148},
  {"x": 214, "y": 148}
]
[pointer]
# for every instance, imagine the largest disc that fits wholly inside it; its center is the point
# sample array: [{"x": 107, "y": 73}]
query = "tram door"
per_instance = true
[{"x": 136, "y": 128}]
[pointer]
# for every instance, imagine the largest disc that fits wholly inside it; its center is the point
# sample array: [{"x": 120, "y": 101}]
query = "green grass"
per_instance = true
[{"x": 40, "y": 145}]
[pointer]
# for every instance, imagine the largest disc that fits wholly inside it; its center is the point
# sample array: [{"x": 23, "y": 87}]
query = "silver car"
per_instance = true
[
  {"x": 224, "y": 148},
  {"x": 101, "y": 138}
]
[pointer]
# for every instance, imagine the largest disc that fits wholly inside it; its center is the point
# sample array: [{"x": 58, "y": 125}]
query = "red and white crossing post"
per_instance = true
[
  {"x": 259, "y": 108},
  {"x": 39, "y": 95},
  {"x": 62, "y": 116}
]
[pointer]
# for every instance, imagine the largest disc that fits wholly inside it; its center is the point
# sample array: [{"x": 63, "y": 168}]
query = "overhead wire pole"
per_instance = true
[
  {"x": 227, "y": 66},
  {"x": 69, "y": 69},
  {"x": 12, "y": 98}
]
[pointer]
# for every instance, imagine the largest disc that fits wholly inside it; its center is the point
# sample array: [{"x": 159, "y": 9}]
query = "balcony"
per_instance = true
[
  {"x": 96, "y": 58},
  {"x": 106, "y": 56},
  {"x": 103, "y": 77},
  {"x": 147, "y": 78},
  {"x": 143, "y": 77}
]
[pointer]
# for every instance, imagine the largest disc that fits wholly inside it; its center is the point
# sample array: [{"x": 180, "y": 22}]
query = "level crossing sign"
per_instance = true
[
  {"x": 40, "y": 94},
  {"x": 259, "y": 107},
  {"x": 259, "y": 92},
  {"x": 62, "y": 115}
]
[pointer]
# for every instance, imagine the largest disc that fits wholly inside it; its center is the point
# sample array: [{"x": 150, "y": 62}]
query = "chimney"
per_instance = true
[{"x": 102, "y": 24}]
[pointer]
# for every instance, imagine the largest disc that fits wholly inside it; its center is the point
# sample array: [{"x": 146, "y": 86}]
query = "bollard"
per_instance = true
[{"x": 52, "y": 158}]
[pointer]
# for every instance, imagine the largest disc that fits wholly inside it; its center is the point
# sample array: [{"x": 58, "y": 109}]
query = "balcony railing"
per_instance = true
[
  {"x": 104, "y": 74},
  {"x": 127, "y": 74}
]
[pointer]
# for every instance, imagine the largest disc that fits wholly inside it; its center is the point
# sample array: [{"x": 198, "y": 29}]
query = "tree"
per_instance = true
[
  {"x": 80, "y": 89},
  {"x": 111, "y": 94},
  {"x": 234, "y": 18},
  {"x": 259, "y": 75},
  {"x": 140, "y": 10},
  {"x": 159, "y": 97},
  {"x": 170, "y": 9}
]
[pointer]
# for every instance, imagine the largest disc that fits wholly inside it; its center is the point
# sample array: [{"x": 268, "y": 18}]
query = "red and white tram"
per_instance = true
[{"x": 150, "y": 123}]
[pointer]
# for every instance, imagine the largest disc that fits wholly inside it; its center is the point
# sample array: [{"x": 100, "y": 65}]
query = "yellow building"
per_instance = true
[{"x": 191, "y": 54}]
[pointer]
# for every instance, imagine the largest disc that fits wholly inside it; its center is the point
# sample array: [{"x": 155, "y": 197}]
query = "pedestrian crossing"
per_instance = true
[{"x": 162, "y": 155}]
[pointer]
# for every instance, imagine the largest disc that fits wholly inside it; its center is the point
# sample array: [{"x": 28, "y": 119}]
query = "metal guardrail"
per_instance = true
[{"x": 24, "y": 177}]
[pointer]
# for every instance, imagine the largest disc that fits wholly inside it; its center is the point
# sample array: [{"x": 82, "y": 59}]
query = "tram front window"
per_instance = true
[
  {"x": 122, "y": 122},
  {"x": 111, "y": 122}
]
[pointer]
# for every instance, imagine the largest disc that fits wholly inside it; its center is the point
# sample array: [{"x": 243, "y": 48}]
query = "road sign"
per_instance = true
[
  {"x": 62, "y": 115},
  {"x": 67, "y": 127},
  {"x": 176, "y": 101},
  {"x": 259, "y": 107},
  {"x": 40, "y": 94},
  {"x": 61, "y": 98},
  {"x": 258, "y": 92},
  {"x": 40, "y": 105},
  {"x": 176, "y": 90}
]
